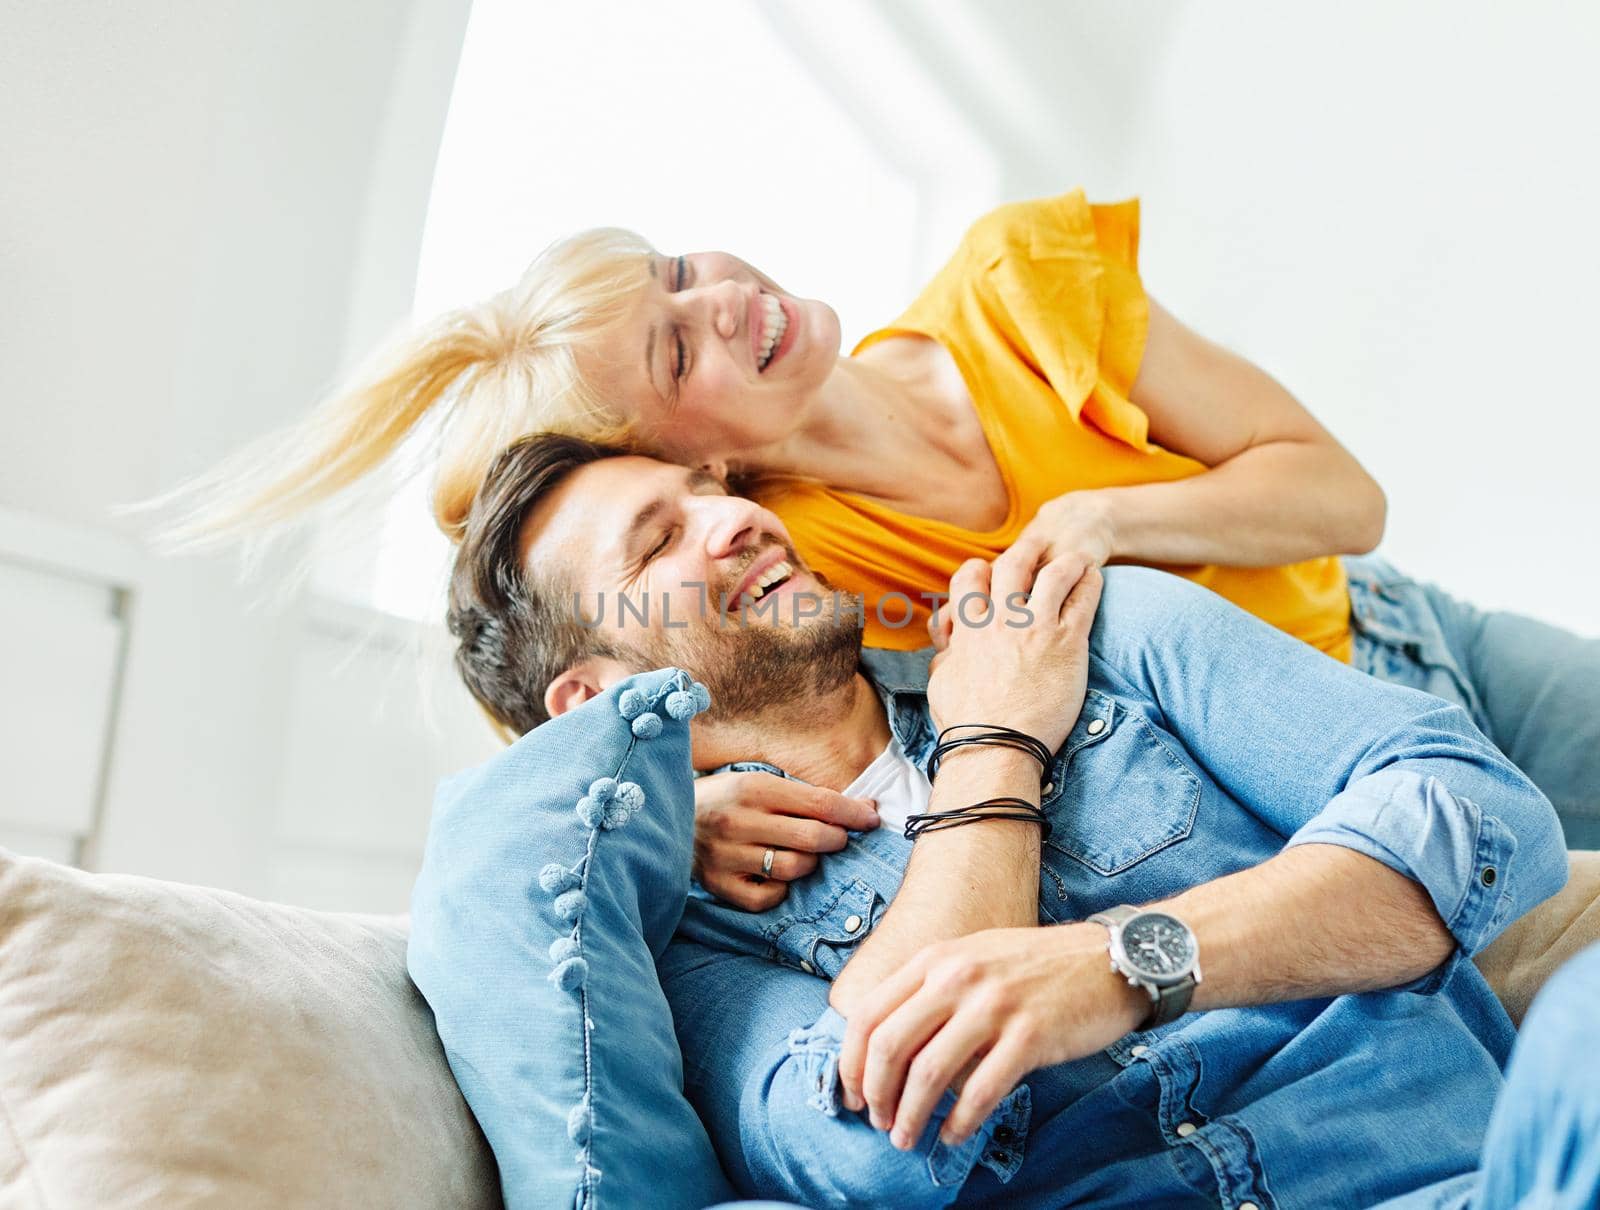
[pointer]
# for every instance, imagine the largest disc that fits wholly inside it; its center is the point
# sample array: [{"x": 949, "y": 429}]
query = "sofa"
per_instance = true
[{"x": 164, "y": 1045}]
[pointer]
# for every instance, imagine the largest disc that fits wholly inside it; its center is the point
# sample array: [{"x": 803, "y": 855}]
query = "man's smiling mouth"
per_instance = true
[
  {"x": 772, "y": 575},
  {"x": 778, "y": 574}
]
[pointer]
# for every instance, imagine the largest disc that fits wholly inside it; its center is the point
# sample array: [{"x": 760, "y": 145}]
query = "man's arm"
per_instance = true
[
  {"x": 1316, "y": 920},
  {"x": 1326, "y": 755},
  {"x": 959, "y": 880},
  {"x": 779, "y": 1100},
  {"x": 1410, "y": 837},
  {"x": 986, "y": 875}
]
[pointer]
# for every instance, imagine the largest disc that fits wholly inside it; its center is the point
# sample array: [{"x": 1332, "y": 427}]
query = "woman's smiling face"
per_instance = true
[{"x": 714, "y": 358}]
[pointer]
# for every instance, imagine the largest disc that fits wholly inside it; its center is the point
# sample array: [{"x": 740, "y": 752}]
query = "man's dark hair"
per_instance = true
[{"x": 515, "y": 627}]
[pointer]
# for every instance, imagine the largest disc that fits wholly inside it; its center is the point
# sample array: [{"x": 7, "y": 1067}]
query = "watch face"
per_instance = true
[{"x": 1158, "y": 945}]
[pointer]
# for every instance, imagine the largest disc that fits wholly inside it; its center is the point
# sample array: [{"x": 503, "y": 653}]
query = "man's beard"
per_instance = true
[{"x": 750, "y": 670}]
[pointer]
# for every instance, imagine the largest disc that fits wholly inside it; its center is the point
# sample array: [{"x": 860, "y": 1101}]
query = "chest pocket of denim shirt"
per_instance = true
[
  {"x": 821, "y": 941},
  {"x": 1120, "y": 793}
]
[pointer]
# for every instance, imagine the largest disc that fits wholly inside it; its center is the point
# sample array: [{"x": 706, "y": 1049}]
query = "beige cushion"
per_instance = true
[
  {"x": 1528, "y": 952},
  {"x": 169, "y": 1046}
]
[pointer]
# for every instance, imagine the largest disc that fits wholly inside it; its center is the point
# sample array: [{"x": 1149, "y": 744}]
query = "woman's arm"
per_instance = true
[{"x": 1280, "y": 488}]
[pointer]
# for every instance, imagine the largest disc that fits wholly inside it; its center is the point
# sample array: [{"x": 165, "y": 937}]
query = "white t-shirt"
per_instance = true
[{"x": 900, "y": 788}]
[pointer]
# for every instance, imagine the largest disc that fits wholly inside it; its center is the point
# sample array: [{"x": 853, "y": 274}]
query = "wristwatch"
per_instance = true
[{"x": 1157, "y": 952}]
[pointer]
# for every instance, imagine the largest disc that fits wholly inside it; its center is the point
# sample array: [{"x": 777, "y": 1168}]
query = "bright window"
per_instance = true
[{"x": 698, "y": 126}]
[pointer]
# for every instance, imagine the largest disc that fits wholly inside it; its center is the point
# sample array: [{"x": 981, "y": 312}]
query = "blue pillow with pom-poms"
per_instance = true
[{"x": 554, "y": 877}]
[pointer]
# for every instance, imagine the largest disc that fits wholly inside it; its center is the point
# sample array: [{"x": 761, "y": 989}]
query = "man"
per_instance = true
[{"x": 1306, "y": 832}]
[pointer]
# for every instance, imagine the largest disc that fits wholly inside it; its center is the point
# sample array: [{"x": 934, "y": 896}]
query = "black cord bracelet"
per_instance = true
[
  {"x": 1014, "y": 808},
  {"x": 990, "y": 736}
]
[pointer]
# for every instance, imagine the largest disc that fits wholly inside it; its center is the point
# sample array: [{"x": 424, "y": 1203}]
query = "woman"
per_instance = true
[{"x": 1032, "y": 394}]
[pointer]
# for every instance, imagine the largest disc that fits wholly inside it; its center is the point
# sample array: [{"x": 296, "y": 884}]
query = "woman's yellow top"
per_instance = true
[{"x": 1042, "y": 309}]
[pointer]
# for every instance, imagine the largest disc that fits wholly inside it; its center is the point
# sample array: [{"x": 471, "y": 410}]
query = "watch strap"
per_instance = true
[
  {"x": 1116, "y": 916},
  {"x": 1169, "y": 1003}
]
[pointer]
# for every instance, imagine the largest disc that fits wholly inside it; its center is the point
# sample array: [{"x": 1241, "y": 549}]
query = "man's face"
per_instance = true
[{"x": 671, "y": 569}]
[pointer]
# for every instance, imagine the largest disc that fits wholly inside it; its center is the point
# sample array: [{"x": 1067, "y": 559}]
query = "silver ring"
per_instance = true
[{"x": 766, "y": 863}]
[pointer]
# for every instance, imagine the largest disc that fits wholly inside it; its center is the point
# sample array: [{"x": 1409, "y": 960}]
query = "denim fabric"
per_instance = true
[
  {"x": 1532, "y": 688},
  {"x": 1543, "y": 1148},
  {"x": 1208, "y": 742},
  {"x": 554, "y": 876}
]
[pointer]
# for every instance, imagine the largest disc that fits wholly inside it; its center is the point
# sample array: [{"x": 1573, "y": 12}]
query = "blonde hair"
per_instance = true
[{"x": 487, "y": 374}]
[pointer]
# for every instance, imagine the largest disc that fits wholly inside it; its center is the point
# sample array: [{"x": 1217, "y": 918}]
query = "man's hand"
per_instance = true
[
  {"x": 739, "y": 816},
  {"x": 1002, "y": 667},
  {"x": 992, "y": 1006}
]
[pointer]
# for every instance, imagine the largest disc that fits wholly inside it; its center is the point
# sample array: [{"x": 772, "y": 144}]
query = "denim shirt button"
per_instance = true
[
  {"x": 807, "y": 967},
  {"x": 1185, "y": 1129},
  {"x": 1004, "y": 1135},
  {"x": 852, "y": 923},
  {"x": 1138, "y": 1050},
  {"x": 1096, "y": 726},
  {"x": 1489, "y": 875}
]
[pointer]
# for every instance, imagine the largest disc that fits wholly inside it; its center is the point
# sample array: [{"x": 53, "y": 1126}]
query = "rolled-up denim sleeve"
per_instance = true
[
  {"x": 1414, "y": 824},
  {"x": 1326, "y": 754},
  {"x": 761, "y": 1054}
]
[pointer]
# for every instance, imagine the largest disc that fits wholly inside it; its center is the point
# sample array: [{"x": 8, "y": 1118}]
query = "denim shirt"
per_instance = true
[{"x": 1207, "y": 743}]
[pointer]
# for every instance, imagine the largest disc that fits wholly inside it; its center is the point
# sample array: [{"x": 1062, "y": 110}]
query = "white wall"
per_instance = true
[
  {"x": 187, "y": 191},
  {"x": 1391, "y": 207}
]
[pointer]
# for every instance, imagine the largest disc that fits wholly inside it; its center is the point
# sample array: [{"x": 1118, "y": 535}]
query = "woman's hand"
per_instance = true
[
  {"x": 739, "y": 816},
  {"x": 994, "y": 1005},
  {"x": 1018, "y": 649},
  {"x": 1075, "y": 528}
]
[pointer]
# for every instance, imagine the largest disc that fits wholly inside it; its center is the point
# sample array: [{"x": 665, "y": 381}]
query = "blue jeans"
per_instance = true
[
  {"x": 1532, "y": 688},
  {"x": 1543, "y": 1145}
]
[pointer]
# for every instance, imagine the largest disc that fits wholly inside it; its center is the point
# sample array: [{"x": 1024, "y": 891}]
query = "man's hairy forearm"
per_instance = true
[
  {"x": 1316, "y": 920},
  {"x": 959, "y": 880}
]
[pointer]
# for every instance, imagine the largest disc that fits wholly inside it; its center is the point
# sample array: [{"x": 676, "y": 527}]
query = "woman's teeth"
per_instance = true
[
  {"x": 775, "y": 573},
  {"x": 775, "y": 324}
]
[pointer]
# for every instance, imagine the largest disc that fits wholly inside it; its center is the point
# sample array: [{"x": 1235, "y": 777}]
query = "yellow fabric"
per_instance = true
[{"x": 1043, "y": 311}]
